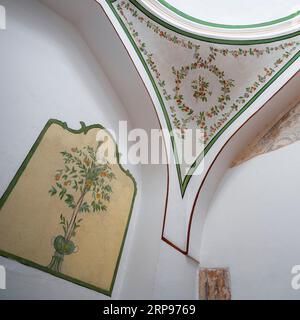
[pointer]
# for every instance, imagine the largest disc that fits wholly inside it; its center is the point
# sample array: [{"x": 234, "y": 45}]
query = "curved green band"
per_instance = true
[
  {"x": 227, "y": 26},
  {"x": 183, "y": 182}
]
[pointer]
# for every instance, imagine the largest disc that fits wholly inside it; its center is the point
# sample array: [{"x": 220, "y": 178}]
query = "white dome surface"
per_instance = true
[{"x": 235, "y": 12}]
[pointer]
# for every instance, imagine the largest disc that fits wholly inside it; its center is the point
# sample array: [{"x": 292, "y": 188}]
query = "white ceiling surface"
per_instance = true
[
  {"x": 237, "y": 12},
  {"x": 229, "y": 12},
  {"x": 88, "y": 17}
]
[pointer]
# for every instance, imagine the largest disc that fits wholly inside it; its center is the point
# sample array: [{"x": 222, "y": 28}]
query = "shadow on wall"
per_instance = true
[{"x": 48, "y": 71}]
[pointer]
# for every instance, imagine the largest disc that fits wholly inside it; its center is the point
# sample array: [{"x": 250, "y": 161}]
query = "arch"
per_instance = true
[
  {"x": 110, "y": 101},
  {"x": 179, "y": 221},
  {"x": 282, "y": 101},
  {"x": 190, "y": 23}
]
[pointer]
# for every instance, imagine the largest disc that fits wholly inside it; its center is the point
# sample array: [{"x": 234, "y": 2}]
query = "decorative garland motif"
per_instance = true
[
  {"x": 201, "y": 89},
  {"x": 213, "y": 97}
]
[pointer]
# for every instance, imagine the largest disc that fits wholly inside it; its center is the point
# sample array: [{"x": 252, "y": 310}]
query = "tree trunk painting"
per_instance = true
[{"x": 81, "y": 175}]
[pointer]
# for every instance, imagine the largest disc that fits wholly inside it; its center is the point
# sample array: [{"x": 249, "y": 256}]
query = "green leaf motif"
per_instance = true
[
  {"x": 70, "y": 201},
  {"x": 81, "y": 175},
  {"x": 53, "y": 191},
  {"x": 84, "y": 207}
]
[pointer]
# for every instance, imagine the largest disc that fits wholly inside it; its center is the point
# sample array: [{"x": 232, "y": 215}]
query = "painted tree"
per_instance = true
[{"x": 81, "y": 176}]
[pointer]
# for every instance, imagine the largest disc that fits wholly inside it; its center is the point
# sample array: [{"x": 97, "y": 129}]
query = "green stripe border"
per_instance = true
[
  {"x": 203, "y": 38},
  {"x": 227, "y": 26},
  {"x": 183, "y": 183},
  {"x": 84, "y": 129}
]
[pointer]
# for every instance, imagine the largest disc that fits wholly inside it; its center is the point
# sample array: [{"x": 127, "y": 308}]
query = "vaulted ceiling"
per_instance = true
[{"x": 197, "y": 81}]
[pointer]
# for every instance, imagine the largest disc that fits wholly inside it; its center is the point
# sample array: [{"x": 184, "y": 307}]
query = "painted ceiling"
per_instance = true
[{"x": 200, "y": 82}]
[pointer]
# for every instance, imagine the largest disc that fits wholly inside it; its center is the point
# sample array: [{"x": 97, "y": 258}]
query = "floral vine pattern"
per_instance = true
[
  {"x": 198, "y": 111},
  {"x": 201, "y": 89}
]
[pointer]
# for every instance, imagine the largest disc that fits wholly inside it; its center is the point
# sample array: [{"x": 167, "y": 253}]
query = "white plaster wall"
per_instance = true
[
  {"x": 253, "y": 224},
  {"x": 49, "y": 71},
  {"x": 176, "y": 277}
]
